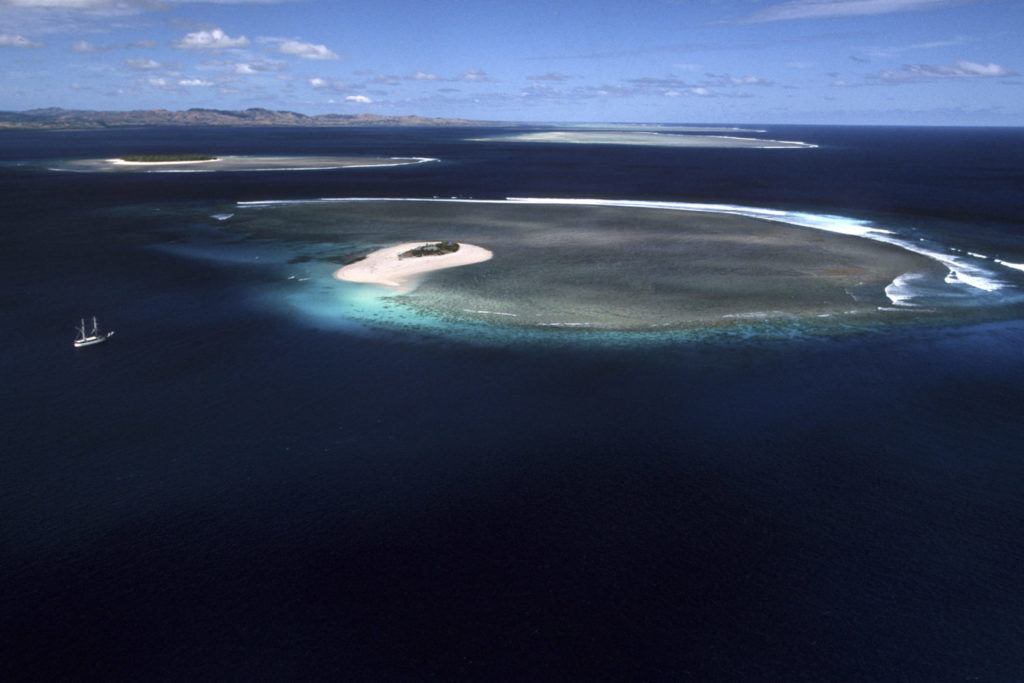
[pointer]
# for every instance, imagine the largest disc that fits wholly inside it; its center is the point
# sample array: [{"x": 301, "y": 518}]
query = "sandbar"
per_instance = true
[
  {"x": 384, "y": 267},
  {"x": 125, "y": 162},
  {"x": 648, "y": 139},
  {"x": 237, "y": 163}
]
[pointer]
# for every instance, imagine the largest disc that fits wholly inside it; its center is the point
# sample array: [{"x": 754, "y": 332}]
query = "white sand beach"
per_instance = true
[
  {"x": 384, "y": 267},
  {"x": 229, "y": 162}
]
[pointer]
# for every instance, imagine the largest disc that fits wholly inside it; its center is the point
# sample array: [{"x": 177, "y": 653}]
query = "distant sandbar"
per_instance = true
[
  {"x": 238, "y": 163},
  {"x": 388, "y": 267},
  {"x": 175, "y": 162},
  {"x": 648, "y": 139}
]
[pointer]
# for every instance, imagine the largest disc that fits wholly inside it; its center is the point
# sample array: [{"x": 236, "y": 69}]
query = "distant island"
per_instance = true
[
  {"x": 646, "y": 138},
  {"x": 165, "y": 158},
  {"x": 68, "y": 119},
  {"x": 178, "y": 162}
]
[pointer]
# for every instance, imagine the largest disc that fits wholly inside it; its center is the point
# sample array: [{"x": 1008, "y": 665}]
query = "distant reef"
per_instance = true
[{"x": 70, "y": 119}]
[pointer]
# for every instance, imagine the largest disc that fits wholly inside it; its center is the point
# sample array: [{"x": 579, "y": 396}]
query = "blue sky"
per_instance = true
[{"x": 934, "y": 62}]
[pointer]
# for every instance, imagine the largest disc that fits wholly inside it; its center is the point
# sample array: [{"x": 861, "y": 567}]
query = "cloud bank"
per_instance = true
[
  {"x": 13, "y": 40},
  {"x": 916, "y": 73},
  {"x": 823, "y": 9}
]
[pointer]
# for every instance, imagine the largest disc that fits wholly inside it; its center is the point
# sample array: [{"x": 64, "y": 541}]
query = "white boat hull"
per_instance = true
[{"x": 90, "y": 341}]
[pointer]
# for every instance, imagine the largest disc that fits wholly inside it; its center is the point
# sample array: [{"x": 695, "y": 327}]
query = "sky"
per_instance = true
[{"x": 872, "y": 62}]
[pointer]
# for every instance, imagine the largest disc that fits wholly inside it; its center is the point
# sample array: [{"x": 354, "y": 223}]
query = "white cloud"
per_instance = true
[
  {"x": 12, "y": 40},
  {"x": 305, "y": 50},
  {"x": 361, "y": 99},
  {"x": 68, "y": 4},
  {"x": 915, "y": 73},
  {"x": 973, "y": 69},
  {"x": 472, "y": 75},
  {"x": 84, "y": 46},
  {"x": 722, "y": 80},
  {"x": 258, "y": 67},
  {"x": 210, "y": 40},
  {"x": 712, "y": 85},
  {"x": 475, "y": 75},
  {"x": 749, "y": 80},
  {"x": 893, "y": 51},
  {"x": 142, "y": 64},
  {"x": 820, "y": 9},
  {"x": 329, "y": 84},
  {"x": 119, "y": 5},
  {"x": 194, "y": 82}
]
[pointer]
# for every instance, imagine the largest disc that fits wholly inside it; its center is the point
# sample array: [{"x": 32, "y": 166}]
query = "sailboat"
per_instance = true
[{"x": 94, "y": 337}]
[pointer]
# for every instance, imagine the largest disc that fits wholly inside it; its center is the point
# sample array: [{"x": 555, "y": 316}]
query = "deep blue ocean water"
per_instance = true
[{"x": 231, "y": 489}]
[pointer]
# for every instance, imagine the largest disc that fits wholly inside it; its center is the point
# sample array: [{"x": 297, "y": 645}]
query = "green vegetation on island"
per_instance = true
[
  {"x": 164, "y": 158},
  {"x": 436, "y": 249}
]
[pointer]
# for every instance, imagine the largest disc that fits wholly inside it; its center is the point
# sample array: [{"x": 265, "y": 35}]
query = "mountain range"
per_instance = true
[{"x": 56, "y": 118}]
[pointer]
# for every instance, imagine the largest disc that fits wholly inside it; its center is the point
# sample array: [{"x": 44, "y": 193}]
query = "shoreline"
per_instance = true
[{"x": 384, "y": 267}]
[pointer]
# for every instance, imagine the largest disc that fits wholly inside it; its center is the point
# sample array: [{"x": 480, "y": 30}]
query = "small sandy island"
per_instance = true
[
  {"x": 233, "y": 163},
  {"x": 393, "y": 267}
]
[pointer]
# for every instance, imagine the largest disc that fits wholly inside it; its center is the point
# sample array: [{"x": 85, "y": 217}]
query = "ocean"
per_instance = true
[{"x": 259, "y": 478}]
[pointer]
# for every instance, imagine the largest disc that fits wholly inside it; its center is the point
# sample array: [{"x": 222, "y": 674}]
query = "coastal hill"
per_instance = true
[{"x": 56, "y": 118}]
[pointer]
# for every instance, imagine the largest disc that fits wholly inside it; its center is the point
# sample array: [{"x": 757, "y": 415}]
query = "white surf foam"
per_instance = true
[
  {"x": 510, "y": 315},
  {"x": 901, "y": 291},
  {"x": 770, "y": 144},
  {"x": 409, "y": 161},
  {"x": 1015, "y": 266}
]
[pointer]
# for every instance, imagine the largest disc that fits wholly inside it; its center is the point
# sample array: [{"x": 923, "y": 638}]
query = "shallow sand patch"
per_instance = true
[
  {"x": 235, "y": 163},
  {"x": 648, "y": 139},
  {"x": 384, "y": 267},
  {"x": 125, "y": 162}
]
